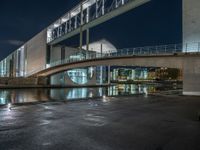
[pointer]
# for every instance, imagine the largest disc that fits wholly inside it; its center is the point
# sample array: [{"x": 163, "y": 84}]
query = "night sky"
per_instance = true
[{"x": 157, "y": 22}]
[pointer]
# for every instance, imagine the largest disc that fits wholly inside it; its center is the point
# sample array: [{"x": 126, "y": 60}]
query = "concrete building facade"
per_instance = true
[
  {"x": 29, "y": 58},
  {"x": 42, "y": 50},
  {"x": 36, "y": 54}
]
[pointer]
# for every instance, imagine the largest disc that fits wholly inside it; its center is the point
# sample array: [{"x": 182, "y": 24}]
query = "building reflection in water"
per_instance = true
[
  {"x": 37, "y": 95},
  {"x": 16, "y": 96},
  {"x": 130, "y": 89},
  {"x": 75, "y": 93}
]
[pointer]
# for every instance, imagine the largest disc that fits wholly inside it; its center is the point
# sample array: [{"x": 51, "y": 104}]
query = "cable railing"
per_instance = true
[{"x": 138, "y": 51}]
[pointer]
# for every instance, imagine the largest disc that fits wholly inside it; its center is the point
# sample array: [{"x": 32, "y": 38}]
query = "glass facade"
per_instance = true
[
  {"x": 79, "y": 76},
  {"x": 14, "y": 64},
  {"x": 128, "y": 74},
  {"x": 101, "y": 74},
  {"x": 130, "y": 89}
]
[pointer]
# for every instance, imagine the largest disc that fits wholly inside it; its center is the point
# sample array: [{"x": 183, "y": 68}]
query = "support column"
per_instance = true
[
  {"x": 48, "y": 55},
  {"x": 88, "y": 15},
  {"x": 88, "y": 30},
  {"x": 87, "y": 39},
  {"x": 75, "y": 21},
  {"x": 109, "y": 75},
  {"x": 101, "y": 49},
  {"x": 58, "y": 30},
  {"x": 116, "y": 3},
  {"x": 66, "y": 27},
  {"x": 103, "y": 7},
  {"x": 70, "y": 22},
  {"x": 101, "y": 75},
  {"x": 97, "y": 8},
  {"x": 191, "y": 23},
  {"x": 191, "y": 76},
  {"x": 81, "y": 28}
]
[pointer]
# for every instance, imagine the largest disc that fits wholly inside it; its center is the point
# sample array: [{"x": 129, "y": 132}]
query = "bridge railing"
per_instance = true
[{"x": 138, "y": 51}]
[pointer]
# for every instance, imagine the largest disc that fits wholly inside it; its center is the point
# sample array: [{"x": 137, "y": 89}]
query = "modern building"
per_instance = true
[
  {"x": 44, "y": 51},
  {"x": 40, "y": 51}
]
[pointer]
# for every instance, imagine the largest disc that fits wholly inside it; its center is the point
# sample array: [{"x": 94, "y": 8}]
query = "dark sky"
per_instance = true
[{"x": 157, "y": 22}]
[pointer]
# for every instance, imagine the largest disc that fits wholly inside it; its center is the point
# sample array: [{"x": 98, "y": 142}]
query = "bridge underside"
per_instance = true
[{"x": 188, "y": 63}]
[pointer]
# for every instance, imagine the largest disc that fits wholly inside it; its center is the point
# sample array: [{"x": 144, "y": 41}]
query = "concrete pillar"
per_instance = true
[
  {"x": 103, "y": 7},
  {"x": 88, "y": 15},
  {"x": 81, "y": 29},
  {"x": 66, "y": 27},
  {"x": 87, "y": 39},
  {"x": 101, "y": 49},
  {"x": 97, "y": 9},
  {"x": 191, "y": 24},
  {"x": 109, "y": 75},
  {"x": 76, "y": 21},
  {"x": 93, "y": 81},
  {"x": 70, "y": 22},
  {"x": 191, "y": 76},
  {"x": 116, "y": 3}
]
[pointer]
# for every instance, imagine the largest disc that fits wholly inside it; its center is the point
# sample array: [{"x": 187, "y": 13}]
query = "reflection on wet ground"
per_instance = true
[
  {"x": 156, "y": 122},
  {"x": 124, "y": 117},
  {"x": 15, "y": 96}
]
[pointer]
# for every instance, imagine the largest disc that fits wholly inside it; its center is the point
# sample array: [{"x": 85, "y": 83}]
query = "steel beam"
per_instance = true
[{"x": 116, "y": 12}]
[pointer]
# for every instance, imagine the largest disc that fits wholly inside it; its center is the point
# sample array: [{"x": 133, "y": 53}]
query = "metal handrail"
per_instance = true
[
  {"x": 170, "y": 49},
  {"x": 138, "y": 51}
]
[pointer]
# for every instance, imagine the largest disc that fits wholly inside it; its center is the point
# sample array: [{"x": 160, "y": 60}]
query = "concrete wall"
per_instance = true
[
  {"x": 55, "y": 53},
  {"x": 191, "y": 36},
  {"x": 191, "y": 76},
  {"x": 70, "y": 51},
  {"x": 20, "y": 81},
  {"x": 4, "y": 80},
  {"x": 36, "y": 53},
  {"x": 191, "y": 21},
  {"x": 23, "y": 81}
]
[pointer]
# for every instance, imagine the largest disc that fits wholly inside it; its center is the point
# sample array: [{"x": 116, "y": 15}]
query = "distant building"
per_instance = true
[{"x": 103, "y": 45}]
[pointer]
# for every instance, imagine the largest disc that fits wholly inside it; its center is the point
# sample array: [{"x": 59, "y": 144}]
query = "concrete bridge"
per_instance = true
[
  {"x": 36, "y": 56},
  {"x": 142, "y": 57}
]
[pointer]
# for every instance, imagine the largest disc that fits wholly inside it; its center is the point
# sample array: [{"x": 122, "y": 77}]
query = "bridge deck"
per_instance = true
[{"x": 169, "y": 61}]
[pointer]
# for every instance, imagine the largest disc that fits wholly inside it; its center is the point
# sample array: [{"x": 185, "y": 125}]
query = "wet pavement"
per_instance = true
[{"x": 140, "y": 122}]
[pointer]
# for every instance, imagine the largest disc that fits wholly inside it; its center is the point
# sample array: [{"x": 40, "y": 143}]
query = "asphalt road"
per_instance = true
[{"x": 123, "y": 123}]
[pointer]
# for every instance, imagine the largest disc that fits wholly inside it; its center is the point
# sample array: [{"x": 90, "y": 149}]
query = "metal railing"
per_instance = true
[{"x": 138, "y": 51}]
